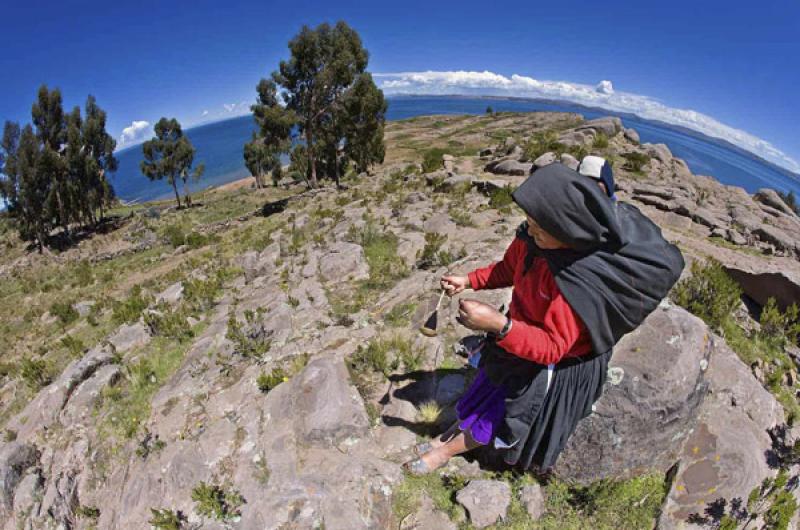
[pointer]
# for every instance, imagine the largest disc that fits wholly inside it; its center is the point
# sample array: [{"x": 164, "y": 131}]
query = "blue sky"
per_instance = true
[{"x": 199, "y": 61}]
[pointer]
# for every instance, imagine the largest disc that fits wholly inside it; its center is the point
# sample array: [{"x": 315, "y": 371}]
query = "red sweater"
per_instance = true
[{"x": 545, "y": 329}]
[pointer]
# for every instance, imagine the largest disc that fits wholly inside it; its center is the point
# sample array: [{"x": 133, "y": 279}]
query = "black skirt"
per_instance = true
[{"x": 538, "y": 420}]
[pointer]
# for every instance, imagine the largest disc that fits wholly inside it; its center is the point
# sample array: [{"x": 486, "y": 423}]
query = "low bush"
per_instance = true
[
  {"x": 708, "y": 293},
  {"x": 64, "y": 311},
  {"x": 222, "y": 504}
]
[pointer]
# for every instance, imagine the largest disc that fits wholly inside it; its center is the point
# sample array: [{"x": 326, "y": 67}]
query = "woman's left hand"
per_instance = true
[{"x": 478, "y": 316}]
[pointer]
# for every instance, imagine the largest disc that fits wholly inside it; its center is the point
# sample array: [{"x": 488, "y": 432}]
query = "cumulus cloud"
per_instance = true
[
  {"x": 137, "y": 131},
  {"x": 601, "y": 95}
]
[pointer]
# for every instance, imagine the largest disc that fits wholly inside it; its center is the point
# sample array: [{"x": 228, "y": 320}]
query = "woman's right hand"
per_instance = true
[{"x": 453, "y": 285}]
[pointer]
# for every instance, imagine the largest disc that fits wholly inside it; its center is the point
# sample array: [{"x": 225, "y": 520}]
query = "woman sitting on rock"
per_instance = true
[{"x": 585, "y": 272}]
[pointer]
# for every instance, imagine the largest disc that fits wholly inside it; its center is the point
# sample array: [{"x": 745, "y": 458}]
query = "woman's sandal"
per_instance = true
[
  {"x": 421, "y": 449},
  {"x": 417, "y": 467}
]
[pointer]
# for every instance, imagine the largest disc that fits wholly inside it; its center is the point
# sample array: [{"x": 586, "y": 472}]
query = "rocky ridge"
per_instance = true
[{"x": 322, "y": 448}]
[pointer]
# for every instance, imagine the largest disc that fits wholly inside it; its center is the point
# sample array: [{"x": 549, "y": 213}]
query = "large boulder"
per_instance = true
[
  {"x": 15, "y": 459},
  {"x": 609, "y": 125},
  {"x": 726, "y": 455},
  {"x": 771, "y": 198},
  {"x": 510, "y": 167},
  {"x": 655, "y": 386},
  {"x": 344, "y": 261}
]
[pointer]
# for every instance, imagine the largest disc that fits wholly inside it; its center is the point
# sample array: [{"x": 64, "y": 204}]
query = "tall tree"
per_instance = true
[
  {"x": 324, "y": 63},
  {"x": 99, "y": 147},
  {"x": 50, "y": 123},
  {"x": 8, "y": 165},
  {"x": 262, "y": 153},
  {"x": 33, "y": 182},
  {"x": 364, "y": 115},
  {"x": 170, "y": 155}
]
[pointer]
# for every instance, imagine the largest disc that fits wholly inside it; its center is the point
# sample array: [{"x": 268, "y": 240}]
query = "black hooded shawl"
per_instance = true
[{"x": 618, "y": 269}]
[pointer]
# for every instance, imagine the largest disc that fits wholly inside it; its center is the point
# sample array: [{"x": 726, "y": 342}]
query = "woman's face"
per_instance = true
[{"x": 543, "y": 239}]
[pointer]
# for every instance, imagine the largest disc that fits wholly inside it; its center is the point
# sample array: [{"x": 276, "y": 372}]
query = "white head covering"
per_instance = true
[{"x": 591, "y": 166}]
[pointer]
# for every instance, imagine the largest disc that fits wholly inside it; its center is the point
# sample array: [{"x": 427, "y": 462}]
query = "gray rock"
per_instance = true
[
  {"x": 771, "y": 198},
  {"x": 84, "y": 307},
  {"x": 659, "y": 151},
  {"x": 410, "y": 244},
  {"x": 726, "y": 455},
  {"x": 649, "y": 403},
  {"x": 654, "y": 191},
  {"x": 344, "y": 261},
  {"x": 454, "y": 180},
  {"x": 632, "y": 135},
  {"x": 760, "y": 285},
  {"x": 327, "y": 409},
  {"x": 486, "y": 151},
  {"x": 257, "y": 264},
  {"x": 775, "y": 236},
  {"x": 609, "y": 125},
  {"x": 172, "y": 294},
  {"x": 719, "y": 232},
  {"x": 28, "y": 492},
  {"x": 515, "y": 152},
  {"x": 15, "y": 458},
  {"x": 512, "y": 167},
  {"x": 427, "y": 517},
  {"x": 486, "y": 501},
  {"x": 577, "y": 138},
  {"x": 735, "y": 237},
  {"x": 544, "y": 160},
  {"x": 129, "y": 336},
  {"x": 42, "y": 411},
  {"x": 533, "y": 499},
  {"x": 81, "y": 403},
  {"x": 570, "y": 161},
  {"x": 448, "y": 162}
]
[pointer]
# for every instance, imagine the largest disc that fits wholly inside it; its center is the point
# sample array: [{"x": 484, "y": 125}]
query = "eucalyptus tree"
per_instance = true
[
  {"x": 262, "y": 153},
  {"x": 170, "y": 155}
]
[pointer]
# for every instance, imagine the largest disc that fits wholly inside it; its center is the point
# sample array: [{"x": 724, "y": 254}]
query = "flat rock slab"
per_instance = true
[{"x": 486, "y": 501}]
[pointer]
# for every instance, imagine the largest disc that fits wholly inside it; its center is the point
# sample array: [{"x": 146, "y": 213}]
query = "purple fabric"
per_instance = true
[{"x": 481, "y": 409}]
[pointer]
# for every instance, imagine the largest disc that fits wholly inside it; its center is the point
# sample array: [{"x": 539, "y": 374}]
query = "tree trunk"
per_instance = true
[
  {"x": 177, "y": 196},
  {"x": 312, "y": 163},
  {"x": 186, "y": 193}
]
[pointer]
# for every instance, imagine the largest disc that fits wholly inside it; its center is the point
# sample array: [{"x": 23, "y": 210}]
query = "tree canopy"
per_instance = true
[
  {"x": 338, "y": 110},
  {"x": 170, "y": 154},
  {"x": 54, "y": 173}
]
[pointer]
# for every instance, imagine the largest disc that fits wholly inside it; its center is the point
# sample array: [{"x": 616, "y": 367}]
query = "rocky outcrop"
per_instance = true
[
  {"x": 609, "y": 125},
  {"x": 727, "y": 453},
  {"x": 510, "y": 167},
  {"x": 771, "y": 198},
  {"x": 656, "y": 384}
]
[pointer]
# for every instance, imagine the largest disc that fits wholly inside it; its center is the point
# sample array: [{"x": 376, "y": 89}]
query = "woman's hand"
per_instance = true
[
  {"x": 453, "y": 285},
  {"x": 478, "y": 316}
]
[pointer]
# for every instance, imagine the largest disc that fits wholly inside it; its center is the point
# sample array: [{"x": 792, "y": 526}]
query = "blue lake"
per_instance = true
[{"x": 219, "y": 145}]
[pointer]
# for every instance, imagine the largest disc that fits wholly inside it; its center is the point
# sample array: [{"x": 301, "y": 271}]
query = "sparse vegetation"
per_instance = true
[
  {"x": 268, "y": 381},
  {"x": 220, "y": 503},
  {"x": 635, "y": 161},
  {"x": 433, "y": 254},
  {"x": 429, "y": 412},
  {"x": 164, "y": 519}
]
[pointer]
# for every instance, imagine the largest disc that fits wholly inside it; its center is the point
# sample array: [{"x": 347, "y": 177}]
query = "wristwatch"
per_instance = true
[{"x": 505, "y": 330}]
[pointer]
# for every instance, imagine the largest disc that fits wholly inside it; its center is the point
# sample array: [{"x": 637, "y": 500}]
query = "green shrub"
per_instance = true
[
  {"x": 541, "y": 143},
  {"x": 779, "y": 328},
  {"x": 217, "y": 502},
  {"x": 268, "y": 381},
  {"x": 400, "y": 315},
  {"x": 170, "y": 324},
  {"x": 433, "y": 255},
  {"x": 635, "y": 161},
  {"x": 130, "y": 309},
  {"x": 174, "y": 235},
  {"x": 250, "y": 342},
  {"x": 501, "y": 197},
  {"x": 87, "y": 512},
  {"x": 83, "y": 274},
  {"x": 75, "y": 346},
  {"x": 35, "y": 373},
  {"x": 164, "y": 519},
  {"x": 600, "y": 141},
  {"x": 64, "y": 311},
  {"x": 708, "y": 293},
  {"x": 432, "y": 159}
]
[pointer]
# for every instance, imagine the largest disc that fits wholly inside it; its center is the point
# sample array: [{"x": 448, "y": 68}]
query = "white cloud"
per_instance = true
[
  {"x": 229, "y": 107},
  {"x": 605, "y": 87},
  {"x": 205, "y": 113},
  {"x": 601, "y": 95},
  {"x": 136, "y": 132}
]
